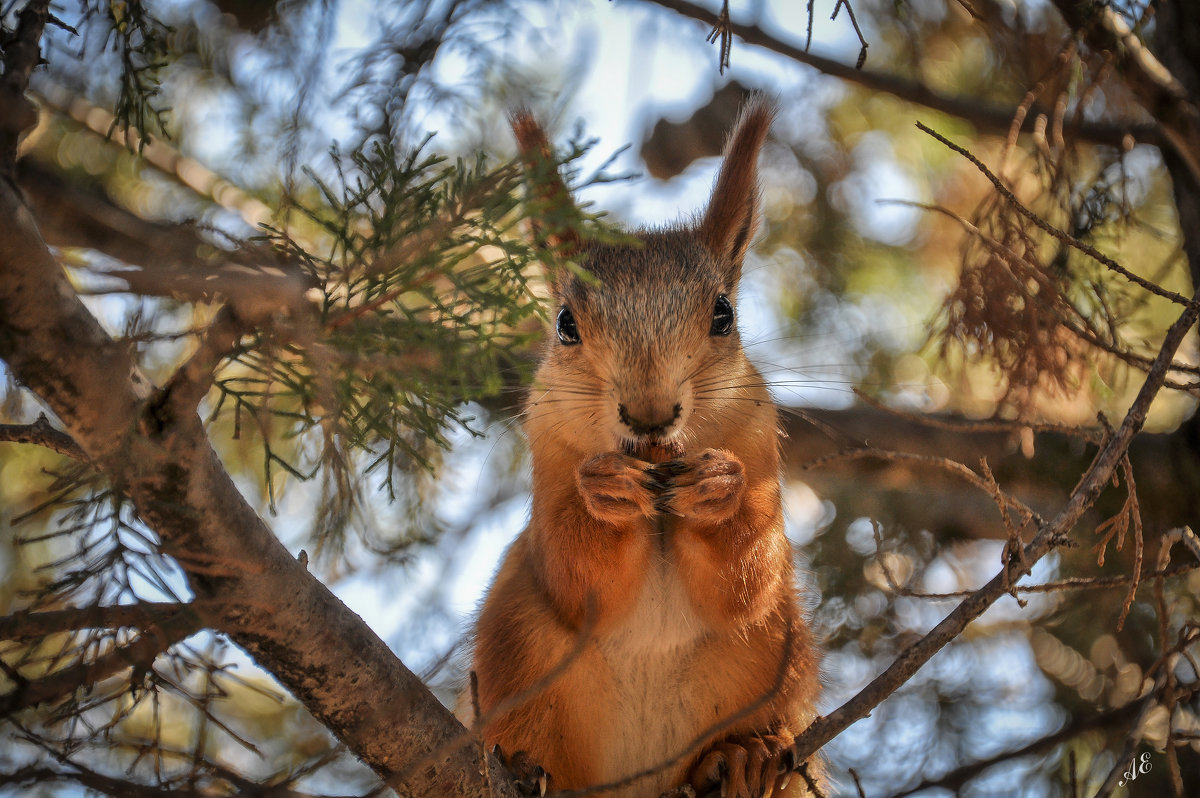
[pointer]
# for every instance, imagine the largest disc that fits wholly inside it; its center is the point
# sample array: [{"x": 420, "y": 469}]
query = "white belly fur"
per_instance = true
[{"x": 650, "y": 656}]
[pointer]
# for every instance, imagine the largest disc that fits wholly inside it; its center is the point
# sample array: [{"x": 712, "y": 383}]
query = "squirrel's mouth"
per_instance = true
[{"x": 653, "y": 449}]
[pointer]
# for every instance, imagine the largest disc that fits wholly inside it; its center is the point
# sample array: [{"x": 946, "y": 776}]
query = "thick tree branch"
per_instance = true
[
  {"x": 21, "y": 55},
  {"x": 988, "y": 116},
  {"x": 284, "y": 617}
]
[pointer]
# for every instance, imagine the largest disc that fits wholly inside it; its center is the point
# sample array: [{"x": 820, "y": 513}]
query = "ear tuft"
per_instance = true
[
  {"x": 548, "y": 194},
  {"x": 732, "y": 216}
]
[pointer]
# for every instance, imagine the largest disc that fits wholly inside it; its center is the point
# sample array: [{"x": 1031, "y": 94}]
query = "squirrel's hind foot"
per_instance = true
[
  {"x": 530, "y": 778},
  {"x": 745, "y": 766}
]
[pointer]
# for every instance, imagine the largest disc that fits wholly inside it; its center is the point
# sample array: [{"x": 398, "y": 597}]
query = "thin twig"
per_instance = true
[
  {"x": 986, "y": 115},
  {"x": 141, "y": 653},
  {"x": 1153, "y": 698},
  {"x": 1049, "y": 536},
  {"x": 944, "y": 463},
  {"x": 862, "y": 53},
  {"x": 1053, "y": 231},
  {"x": 955, "y": 779}
]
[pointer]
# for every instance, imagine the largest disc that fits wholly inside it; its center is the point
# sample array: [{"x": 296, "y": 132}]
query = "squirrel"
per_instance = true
[{"x": 643, "y": 634}]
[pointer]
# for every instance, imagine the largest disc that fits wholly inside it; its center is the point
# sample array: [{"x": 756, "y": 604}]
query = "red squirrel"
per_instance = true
[{"x": 643, "y": 631}]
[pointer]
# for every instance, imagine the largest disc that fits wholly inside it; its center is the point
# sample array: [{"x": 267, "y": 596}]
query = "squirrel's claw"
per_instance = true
[
  {"x": 708, "y": 487},
  {"x": 745, "y": 766},
  {"x": 530, "y": 778},
  {"x": 614, "y": 488}
]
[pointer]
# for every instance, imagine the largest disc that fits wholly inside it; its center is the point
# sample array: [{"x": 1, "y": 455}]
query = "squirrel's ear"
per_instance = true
[
  {"x": 732, "y": 215},
  {"x": 552, "y": 210}
]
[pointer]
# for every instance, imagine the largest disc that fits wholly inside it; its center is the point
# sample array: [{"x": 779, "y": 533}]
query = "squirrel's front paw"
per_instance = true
[
  {"x": 616, "y": 487},
  {"x": 707, "y": 487}
]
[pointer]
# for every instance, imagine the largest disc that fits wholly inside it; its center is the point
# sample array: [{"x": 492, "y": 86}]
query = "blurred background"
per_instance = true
[{"x": 181, "y": 136}]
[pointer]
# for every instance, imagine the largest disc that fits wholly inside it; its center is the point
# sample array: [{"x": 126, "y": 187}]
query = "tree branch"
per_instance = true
[
  {"x": 44, "y": 434},
  {"x": 191, "y": 381},
  {"x": 271, "y": 606},
  {"x": 27, "y": 625},
  {"x": 1149, "y": 81},
  {"x": 997, "y": 118},
  {"x": 156, "y": 638},
  {"x": 955, "y": 779},
  {"x": 123, "y": 788},
  {"x": 1048, "y": 537},
  {"x": 21, "y": 55}
]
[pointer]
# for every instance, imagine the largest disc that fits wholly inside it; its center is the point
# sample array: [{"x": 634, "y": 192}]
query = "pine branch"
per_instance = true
[
  {"x": 26, "y": 625},
  {"x": 271, "y": 606},
  {"x": 140, "y": 655}
]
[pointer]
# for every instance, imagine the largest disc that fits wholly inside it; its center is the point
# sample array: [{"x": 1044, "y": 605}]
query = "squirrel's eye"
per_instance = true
[
  {"x": 722, "y": 320},
  {"x": 568, "y": 333}
]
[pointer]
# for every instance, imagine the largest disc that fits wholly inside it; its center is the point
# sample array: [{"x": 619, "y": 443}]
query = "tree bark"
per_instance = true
[{"x": 260, "y": 596}]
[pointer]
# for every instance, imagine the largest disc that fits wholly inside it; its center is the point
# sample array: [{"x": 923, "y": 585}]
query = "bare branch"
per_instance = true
[
  {"x": 157, "y": 153},
  {"x": 76, "y": 773},
  {"x": 1049, "y": 536},
  {"x": 1149, "y": 81},
  {"x": 996, "y": 118},
  {"x": 932, "y": 461},
  {"x": 1154, "y": 698},
  {"x": 955, "y": 779},
  {"x": 1041, "y": 223},
  {"x": 862, "y": 42},
  {"x": 44, "y": 434}
]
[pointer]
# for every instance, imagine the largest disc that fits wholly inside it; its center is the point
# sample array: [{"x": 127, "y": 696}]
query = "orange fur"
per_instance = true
[{"x": 647, "y": 618}]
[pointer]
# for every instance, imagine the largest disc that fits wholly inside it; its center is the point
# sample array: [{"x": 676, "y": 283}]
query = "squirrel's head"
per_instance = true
[{"x": 644, "y": 353}]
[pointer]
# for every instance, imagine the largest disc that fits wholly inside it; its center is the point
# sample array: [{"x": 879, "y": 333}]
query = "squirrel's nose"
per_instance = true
[{"x": 643, "y": 426}]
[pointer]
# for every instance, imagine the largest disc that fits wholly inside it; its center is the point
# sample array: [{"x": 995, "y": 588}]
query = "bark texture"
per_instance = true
[{"x": 261, "y": 596}]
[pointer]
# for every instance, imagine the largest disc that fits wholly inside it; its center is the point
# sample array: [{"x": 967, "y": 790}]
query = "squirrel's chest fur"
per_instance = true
[{"x": 649, "y": 655}]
